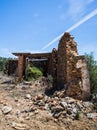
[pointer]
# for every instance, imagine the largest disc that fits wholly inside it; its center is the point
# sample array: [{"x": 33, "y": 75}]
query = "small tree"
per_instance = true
[{"x": 92, "y": 64}]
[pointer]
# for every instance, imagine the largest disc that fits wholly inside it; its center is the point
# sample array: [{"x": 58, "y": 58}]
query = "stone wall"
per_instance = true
[
  {"x": 11, "y": 67},
  {"x": 85, "y": 79},
  {"x": 54, "y": 66},
  {"x": 72, "y": 71},
  {"x": 61, "y": 63}
]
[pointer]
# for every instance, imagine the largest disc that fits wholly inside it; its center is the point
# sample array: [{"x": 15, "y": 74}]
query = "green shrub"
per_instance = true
[
  {"x": 92, "y": 64},
  {"x": 77, "y": 117},
  {"x": 33, "y": 73}
]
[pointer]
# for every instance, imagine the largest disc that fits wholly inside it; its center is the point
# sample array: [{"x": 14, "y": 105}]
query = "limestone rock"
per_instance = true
[
  {"x": 19, "y": 126},
  {"x": 27, "y": 83},
  {"x": 28, "y": 96},
  {"x": 63, "y": 104},
  {"x": 91, "y": 115},
  {"x": 6, "y": 109},
  {"x": 87, "y": 104}
]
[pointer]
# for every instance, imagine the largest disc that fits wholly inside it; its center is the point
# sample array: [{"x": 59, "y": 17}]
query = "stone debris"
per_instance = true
[
  {"x": 91, "y": 115},
  {"x": 19, "y": 126},
  {"x": 63, "y": 104},
  {"x": 28, "y": 96},
  {"x": 87, "y": 104},
  {"x": 59, "y": 107},
  {"x": 6, "y": 109},
  {"x": 27, "y": 83}
]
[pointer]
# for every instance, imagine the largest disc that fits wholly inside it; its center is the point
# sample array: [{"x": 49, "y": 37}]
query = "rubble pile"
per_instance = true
[
  {"x": 60, "y": 107},
  {"x": 27, "y": 102}
]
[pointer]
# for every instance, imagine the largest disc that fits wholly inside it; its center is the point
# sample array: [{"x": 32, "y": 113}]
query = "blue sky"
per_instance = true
[{"x": 29, "y": 25}]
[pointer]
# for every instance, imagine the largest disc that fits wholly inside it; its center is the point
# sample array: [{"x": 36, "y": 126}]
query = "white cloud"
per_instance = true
[{"x": 77, "y": 8}]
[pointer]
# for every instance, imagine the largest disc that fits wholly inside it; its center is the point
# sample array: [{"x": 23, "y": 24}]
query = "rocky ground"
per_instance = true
[{"x": 25, "y": 106}]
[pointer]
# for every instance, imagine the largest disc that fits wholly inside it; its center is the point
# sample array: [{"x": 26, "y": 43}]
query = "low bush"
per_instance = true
[{"x": 33, "y": 73}]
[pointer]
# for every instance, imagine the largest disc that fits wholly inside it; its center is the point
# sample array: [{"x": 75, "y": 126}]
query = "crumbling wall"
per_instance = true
[
  {"x": 54, "y": 66},
  {"x": 61, "y": 64},
  {"x": 83, "y": 65},
  {"x": 11, "y": 67},
  {"x": 72, "y": 69}
]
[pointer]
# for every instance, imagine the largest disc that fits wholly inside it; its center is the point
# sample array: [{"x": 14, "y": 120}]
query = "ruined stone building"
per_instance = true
[{"x": 69, "y": 70}]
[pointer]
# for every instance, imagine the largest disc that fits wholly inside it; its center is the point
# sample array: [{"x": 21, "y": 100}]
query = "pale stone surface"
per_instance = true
[
  {"x": 92, "y": 115},
  {"x": 28, "y": 96},
  {"x": 6, "y": 109},
  {"x": 19, "y": 126}
]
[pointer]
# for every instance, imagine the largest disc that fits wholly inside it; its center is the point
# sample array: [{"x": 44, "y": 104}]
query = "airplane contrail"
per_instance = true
[{"x": 83, "y": 20}]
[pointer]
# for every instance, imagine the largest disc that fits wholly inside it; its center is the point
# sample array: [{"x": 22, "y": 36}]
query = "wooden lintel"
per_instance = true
[{"x": 34, "y": 55}]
